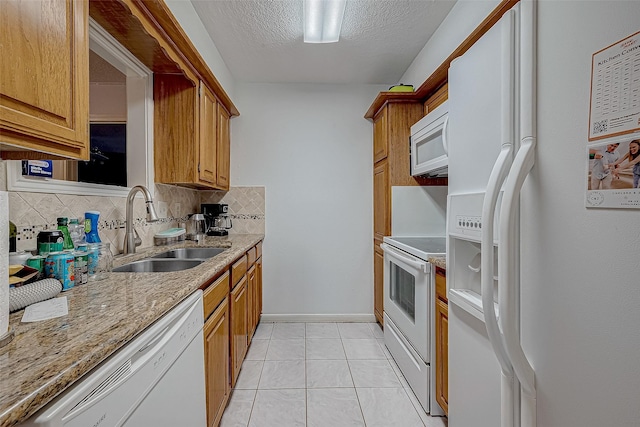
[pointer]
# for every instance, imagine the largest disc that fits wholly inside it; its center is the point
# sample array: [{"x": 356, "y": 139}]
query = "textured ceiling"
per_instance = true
[{"x": 261, "y": 40}]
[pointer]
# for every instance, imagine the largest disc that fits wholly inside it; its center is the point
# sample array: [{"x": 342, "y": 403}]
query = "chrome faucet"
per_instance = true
[{"x": 131, "y": 237}]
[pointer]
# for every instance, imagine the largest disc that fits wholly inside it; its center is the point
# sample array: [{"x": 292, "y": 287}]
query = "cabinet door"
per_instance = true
[
  {"x": 44, "y": 76},
  {"x": 378, "y": 281},
  {"x": 238, "y": 327},
  {"x": 207, "y": 164},
  {"x": 381, "y": 202},
  {"x": 442, "y": 355},
  {"x": 216, "y": 363},
  {"x": 380, "y": 136},
  {"x": 224, "y": 149},
  {"x": 258, "y": 304},
  {"x": 251, "y": 301}
]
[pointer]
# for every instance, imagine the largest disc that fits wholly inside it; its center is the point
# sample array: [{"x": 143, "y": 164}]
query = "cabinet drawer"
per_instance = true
[
  {"x": 251, "y": 257},
  {"x": 215, "y": 293},
  {"x": 258, "y": 250},
  {"x": 238, "y": 270},
  {"x": 441, "y": 284}
]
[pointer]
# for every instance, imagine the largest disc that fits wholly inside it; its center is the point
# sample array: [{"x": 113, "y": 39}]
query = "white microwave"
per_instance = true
[{"x": 429, "y": 144}]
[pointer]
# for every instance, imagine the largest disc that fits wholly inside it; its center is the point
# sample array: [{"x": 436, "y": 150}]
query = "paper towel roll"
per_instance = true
[{"x": 4, "y": 263}]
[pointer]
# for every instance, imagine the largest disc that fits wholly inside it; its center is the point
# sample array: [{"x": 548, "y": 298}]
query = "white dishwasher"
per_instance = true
[{"x": 155, "y": 380}]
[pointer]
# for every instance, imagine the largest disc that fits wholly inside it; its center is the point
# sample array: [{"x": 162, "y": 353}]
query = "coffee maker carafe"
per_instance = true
[{"x": 218, "y": 221}]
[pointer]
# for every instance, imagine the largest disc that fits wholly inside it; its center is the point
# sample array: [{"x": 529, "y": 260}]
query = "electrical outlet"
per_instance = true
[
  {"x": 176, "y": 210},
  {"x": 162, "y": 209}
]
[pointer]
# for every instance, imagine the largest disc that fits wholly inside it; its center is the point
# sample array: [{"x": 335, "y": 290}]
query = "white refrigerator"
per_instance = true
[{"x": 544, "y": 293}]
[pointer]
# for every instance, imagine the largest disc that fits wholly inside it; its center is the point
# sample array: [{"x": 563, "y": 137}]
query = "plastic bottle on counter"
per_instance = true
[
  {"x": 63, "y": 227},
  {"x": 76, "y": 231},
  {"x": 12, "y": 237},
  {"x": 91, "y": 226}
]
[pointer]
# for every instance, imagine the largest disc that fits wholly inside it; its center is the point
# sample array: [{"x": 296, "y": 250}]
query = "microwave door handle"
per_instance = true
[
  {"x": 419, "y": 265},
  {"x": 445, "y": 139}
]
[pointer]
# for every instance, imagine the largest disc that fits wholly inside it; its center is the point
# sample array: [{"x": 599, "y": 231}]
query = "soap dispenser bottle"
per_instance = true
[{"x": 91, "y": 226}]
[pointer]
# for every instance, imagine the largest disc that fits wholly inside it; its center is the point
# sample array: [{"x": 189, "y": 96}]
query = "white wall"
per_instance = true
[
  {"x": 192, "y": 25},
  {"x": 464, "y": 17},
  {"x": 312, "y": 149}
]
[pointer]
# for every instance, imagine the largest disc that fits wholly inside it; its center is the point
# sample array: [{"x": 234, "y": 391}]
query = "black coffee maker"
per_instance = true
[{"x": 218, "y": 221}]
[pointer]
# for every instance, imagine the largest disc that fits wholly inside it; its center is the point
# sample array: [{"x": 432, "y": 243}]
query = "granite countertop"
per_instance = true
[
  {"x": 46, "y": 357},
  {"x": 438, "y": 261}
]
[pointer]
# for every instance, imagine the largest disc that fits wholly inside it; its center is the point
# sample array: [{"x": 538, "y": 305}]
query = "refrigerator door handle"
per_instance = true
[
  {"x": 522, "y": 164},
  {"x": 496, "y": 179},
  {"x": 498, "y": 174}
]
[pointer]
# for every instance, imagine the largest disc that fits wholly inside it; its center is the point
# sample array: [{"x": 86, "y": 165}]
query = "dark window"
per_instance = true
[{"x": 108, "y": 162}]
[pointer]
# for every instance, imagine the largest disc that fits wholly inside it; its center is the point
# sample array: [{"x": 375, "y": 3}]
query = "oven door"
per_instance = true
[{"x": 407, "y": 296}]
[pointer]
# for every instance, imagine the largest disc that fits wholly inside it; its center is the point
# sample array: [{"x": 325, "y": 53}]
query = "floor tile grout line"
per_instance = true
[
  {"x": 364, "y": 421},
  {"x": 347, "y": 359},
  {"x": 255, "y": 396}
]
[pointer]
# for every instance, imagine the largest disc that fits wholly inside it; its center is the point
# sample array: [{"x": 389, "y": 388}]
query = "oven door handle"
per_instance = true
[{"x": 420, "y": 265}]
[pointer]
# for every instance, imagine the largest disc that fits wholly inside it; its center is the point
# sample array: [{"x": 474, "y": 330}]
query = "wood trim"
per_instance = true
[
  {"x": 150, "y": 31},
  {"x": 215, "y": 294},
  {"x": 439, "y": 76},
  {"x": 436, "y": 99},
  {"x": 238, "y": 270},
  {"x": 385, "y": 98},
  {"x": 158, "y": 11}
]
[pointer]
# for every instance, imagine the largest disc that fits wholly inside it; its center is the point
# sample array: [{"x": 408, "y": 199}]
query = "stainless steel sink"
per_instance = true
[
  {"x": 190, "y": 253},
  {"x": 158, "y": 265}
]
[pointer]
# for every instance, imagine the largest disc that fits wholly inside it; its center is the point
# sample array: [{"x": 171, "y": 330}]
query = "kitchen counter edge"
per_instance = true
[{"x": 438, "y": 261}]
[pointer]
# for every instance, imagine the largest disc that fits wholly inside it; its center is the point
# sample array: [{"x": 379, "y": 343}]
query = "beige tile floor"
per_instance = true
[{"x": 322, "y": 375}]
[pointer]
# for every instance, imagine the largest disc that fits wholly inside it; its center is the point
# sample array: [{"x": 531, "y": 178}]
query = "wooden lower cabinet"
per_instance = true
[
  {"x": 251, "y": 302},
  {"x": 258, "y": 293},
  {"x": 238, "y": 327},
  {"x": 442, "y": 342},
  {"x": 216, "y": 363},
  {"x": 378, "y": 277}
]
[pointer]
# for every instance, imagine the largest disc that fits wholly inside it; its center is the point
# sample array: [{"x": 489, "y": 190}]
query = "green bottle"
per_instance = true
[
  {"x": 62, "y": 226},
  {"x": 13, "y": 232}
]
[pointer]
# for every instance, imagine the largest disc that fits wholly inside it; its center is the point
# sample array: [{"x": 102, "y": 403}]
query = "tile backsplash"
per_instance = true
[
  {"x": 246, "y": 207},
  {"x": 33, "y": 212}
]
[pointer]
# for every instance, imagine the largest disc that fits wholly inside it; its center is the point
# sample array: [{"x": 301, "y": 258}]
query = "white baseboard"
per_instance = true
[{"x": 317, "y": 318}]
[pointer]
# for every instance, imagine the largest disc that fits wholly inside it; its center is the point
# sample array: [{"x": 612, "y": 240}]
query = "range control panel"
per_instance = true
[{"x": 467, "y": 222}]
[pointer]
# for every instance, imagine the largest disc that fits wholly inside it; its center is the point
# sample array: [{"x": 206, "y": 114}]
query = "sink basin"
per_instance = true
[
  {"x": 158, "y": 265},
  {"x": 190, "y": 253}
]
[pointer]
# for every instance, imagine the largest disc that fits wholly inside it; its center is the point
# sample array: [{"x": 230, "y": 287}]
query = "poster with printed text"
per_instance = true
[
  {"x": 615, "y": 89},
  {"x": 613, "y": 173}
]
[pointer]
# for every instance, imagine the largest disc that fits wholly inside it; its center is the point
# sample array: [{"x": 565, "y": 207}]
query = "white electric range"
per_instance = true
[{"x": 409, "y": 298}]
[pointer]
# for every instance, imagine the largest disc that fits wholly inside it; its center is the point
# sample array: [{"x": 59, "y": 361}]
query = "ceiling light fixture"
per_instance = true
[{"x": 323, "y": 20}]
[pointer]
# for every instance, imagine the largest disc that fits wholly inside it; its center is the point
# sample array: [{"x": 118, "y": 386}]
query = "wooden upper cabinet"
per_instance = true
[
  {"x": 435, "y": 100},
  {"x": 186, "y": 134},
  {"x": 224, "y": 148},
  {"x": 44, "y": 76},
  {"x": 207, "y": 166},
  {"x": 380, "y": 138}
]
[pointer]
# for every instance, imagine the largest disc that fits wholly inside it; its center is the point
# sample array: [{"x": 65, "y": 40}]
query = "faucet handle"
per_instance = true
[{"x": 137, "y": 240}]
